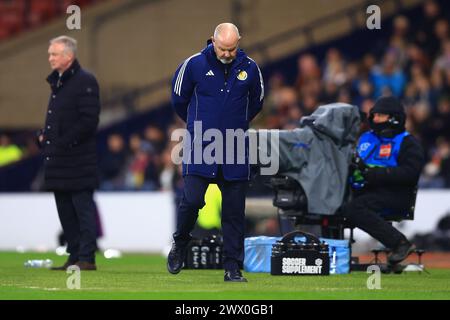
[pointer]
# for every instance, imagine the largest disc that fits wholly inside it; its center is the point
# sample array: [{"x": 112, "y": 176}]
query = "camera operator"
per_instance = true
[{"x": 386, "y": 170}]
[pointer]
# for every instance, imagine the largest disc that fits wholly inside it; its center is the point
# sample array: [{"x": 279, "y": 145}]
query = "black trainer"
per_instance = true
[
  {"x": 176, "y": 257},
  {"x": 234, "y": 276},
  {"x": 401, "y": 252}
]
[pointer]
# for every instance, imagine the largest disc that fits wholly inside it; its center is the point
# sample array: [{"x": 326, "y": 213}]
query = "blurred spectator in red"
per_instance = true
[
  {"x": 309, "y": 74},
  {"x": 137, "y": 163},
  {"x": 269, "y": 118},
  {"x": 142, "y": 171}
]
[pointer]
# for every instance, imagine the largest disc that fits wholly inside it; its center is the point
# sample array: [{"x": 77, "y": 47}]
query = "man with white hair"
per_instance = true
[
  {"x": 69, "y": 147},
  {"x": 219, "y": 88}
]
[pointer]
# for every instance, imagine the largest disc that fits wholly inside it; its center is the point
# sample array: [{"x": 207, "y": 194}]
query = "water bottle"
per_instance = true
[
  {"x": 218, "y": 257},
  {"x": 204, "y": 256},
  {"x": 38, "y": 263},
  {"x": 333, "y": 264},
  {"x": 195, "y": 250}
]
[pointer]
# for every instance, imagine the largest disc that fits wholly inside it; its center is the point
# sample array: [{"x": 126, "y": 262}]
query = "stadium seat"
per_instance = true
[
  {"x": 41, "y": 11},
  {"x": 19, "y": 15},
  {"x": 4, "y": 32}
]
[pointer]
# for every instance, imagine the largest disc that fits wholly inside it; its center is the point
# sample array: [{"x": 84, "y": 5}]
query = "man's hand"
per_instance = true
[
  {"x": 39, "y": 138},
  {"x": 367, "y": 173},
  {"x": 358, "y": 164},
  {"x": 358, "y": 172}
]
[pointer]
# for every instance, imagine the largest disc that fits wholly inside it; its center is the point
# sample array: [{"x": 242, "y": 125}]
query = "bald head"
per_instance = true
[
  {"x": 226, "y": 40},
  {"x": 227, "y": 32}
]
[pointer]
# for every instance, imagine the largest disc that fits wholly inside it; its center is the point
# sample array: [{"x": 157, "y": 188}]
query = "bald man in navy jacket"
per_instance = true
[{"x": 218, "y": 88}]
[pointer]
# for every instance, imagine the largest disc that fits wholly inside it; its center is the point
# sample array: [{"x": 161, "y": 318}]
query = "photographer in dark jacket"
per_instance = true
[
  {"x": 386, "y": 172},
  {"x": 69, "y": 148}
]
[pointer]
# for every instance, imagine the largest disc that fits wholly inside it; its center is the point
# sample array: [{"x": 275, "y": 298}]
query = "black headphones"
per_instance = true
[{"x": 394, "y": 121}]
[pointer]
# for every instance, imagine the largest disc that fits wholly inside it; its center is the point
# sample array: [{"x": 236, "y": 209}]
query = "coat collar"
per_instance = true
[{"x": 54, "y": 76}]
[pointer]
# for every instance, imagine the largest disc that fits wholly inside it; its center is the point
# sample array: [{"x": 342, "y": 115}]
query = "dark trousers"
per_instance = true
[
  {"x": 364, "y": 212},
  {"x": 233, "y": 215},
  {"x": 76, "y": 210}
]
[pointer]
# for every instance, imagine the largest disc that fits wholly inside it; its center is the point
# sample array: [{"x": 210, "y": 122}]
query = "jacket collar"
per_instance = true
[
  {"x": 54, "y": 76},
  {"x": 211, "y": 55}
]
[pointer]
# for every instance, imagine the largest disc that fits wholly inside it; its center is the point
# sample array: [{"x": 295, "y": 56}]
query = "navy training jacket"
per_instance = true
[{"x": 221, "y": 97}]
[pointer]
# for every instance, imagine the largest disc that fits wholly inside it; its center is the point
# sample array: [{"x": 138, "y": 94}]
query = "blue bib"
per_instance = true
[{"x": 378, "y": 151}]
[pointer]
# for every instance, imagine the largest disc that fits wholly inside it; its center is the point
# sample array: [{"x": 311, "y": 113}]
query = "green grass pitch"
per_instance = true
[{"x": 137, "y": 276}]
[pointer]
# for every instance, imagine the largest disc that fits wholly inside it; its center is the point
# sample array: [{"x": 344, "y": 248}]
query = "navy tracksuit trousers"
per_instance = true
[{"x": 233, "y": 214}]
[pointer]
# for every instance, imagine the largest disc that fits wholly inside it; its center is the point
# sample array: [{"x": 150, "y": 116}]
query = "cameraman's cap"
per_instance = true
[{"x": 388, "y": 105}]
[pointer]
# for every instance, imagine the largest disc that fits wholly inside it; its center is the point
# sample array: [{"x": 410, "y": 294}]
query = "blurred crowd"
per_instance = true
[
  {"x": 413, "y": 63},
  {"x": 142, "y": 162}
]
